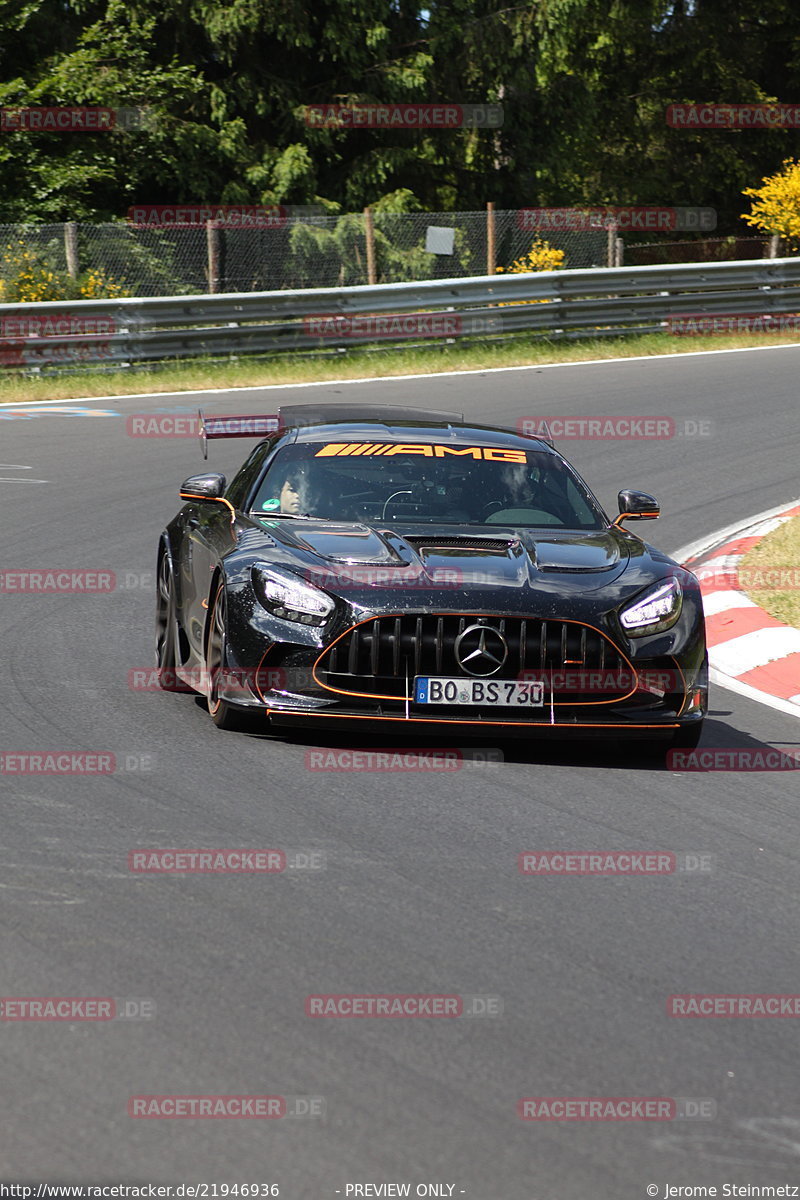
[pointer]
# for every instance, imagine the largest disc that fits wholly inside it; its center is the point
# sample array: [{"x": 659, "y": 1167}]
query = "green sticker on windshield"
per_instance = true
[{"x": 270, "y": 505}]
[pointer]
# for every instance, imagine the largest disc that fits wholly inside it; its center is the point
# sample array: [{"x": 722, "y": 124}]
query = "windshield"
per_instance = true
[{"x": 448, "y": 484}]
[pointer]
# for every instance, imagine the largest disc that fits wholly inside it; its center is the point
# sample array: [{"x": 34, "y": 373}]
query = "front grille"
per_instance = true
[{"x": 376, "y": 657}]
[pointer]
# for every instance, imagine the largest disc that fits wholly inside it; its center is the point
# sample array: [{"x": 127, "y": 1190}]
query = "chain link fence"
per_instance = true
[
  {"x": 306, "y": 250},
  {"x": 720, "y": 249}
]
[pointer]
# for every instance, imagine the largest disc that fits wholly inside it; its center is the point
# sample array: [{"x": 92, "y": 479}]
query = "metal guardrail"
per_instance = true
[{"x": 601, "y": 301}]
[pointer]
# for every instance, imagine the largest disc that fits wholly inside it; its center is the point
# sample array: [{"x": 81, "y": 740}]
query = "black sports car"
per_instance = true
[{"x": 391, "y": 567}]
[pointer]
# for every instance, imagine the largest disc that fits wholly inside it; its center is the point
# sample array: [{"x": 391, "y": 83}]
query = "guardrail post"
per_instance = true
[
  {"x": 71, "y": 248},
  {"x": 369, "y": 230},
  {"x": 212, "y": 243},
  {"x": 490, "y": 238}
]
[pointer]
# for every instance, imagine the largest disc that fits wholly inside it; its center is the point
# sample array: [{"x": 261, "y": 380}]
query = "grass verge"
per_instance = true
[
  {"x": 202, "y": 374},
  {"x": 776, "y": 559}
]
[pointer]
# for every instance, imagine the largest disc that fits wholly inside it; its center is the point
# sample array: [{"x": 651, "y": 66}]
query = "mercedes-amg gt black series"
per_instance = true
[{"x": 394, "y": 569}]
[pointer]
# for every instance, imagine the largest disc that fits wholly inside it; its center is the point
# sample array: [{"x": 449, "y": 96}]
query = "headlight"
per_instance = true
[
  {"x": 286, "y": 597},
  {"x": 658, "y": 608}
]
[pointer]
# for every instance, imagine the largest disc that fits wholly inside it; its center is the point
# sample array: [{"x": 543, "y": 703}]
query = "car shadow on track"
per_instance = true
[{"x": 586, "y": 753}]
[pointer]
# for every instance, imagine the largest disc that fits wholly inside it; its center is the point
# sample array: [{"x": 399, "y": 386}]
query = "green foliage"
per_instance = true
[
  {"x": 337, "y": 253},
  {"x": 584, "y": 85}
]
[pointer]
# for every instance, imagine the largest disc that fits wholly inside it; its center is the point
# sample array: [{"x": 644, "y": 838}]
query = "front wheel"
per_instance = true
[
  {"x": 166, "y": 657},
  {"x": 223, "y": 714}
]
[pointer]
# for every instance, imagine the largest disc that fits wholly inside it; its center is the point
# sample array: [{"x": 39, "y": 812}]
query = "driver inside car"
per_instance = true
[
  {"x": 289, "y": 493},
  {"x": 521, "y": 494}
]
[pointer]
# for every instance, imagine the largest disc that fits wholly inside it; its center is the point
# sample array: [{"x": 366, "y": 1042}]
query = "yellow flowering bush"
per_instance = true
[
  {"x": 541, "y": 257},
  {"x": 776, "y": 204},
  {"x": 27, "y": 276},
  {"x": 96, "y": 285}
]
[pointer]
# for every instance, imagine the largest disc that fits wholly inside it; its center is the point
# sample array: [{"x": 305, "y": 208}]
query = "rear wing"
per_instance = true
[
  {"x": 235, "y": 427},
  {"x": 295, "y": 416}
]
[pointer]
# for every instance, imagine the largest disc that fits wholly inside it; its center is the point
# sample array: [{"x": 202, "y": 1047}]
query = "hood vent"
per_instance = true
[
  {"x": 249, "y": 538},
  {"x": 485, "y": 545}
]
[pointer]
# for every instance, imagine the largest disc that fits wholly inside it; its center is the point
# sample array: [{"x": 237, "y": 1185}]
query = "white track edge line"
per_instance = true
[
  {"x": 693, "y": 549},
  {"x": 271, "y": 387},
  {"x": 729, "y": 682}
]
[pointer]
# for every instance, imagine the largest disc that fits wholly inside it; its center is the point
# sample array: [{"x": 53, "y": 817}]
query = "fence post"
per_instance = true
[
  {"x": 620, "y": 259},
  {"x": 369, "y": 230},
  {"x": 71, "y": 248},
  {"x": 212, "y": 243},
  {"x": 490, "y": 238},
  {"x": 611, "y": 248}
]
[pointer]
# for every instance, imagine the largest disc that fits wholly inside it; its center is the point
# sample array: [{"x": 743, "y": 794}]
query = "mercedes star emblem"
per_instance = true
[{"x": 481, "y": 650}]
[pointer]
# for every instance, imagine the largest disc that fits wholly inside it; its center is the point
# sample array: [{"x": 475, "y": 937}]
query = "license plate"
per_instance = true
[{"x": 496, "y": 693}]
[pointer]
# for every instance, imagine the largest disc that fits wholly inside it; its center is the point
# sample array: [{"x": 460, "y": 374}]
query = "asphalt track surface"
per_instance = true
[{"x": 421, "y": 892}]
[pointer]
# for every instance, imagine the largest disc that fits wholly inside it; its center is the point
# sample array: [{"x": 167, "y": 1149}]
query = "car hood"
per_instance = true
[{"x": 474, "y": 557}]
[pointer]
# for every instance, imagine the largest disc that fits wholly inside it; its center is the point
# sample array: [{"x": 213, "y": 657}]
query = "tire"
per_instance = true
[
  {"x": 224, "y": 715},
  {"x": 166, "y": 658}
]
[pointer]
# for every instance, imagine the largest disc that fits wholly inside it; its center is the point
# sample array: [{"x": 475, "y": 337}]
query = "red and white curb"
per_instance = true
[{"x": 749, "y": 651}]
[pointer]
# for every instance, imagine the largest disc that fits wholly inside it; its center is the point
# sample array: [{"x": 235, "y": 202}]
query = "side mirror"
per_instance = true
[
  {"x": 637, "y": 506},
  {"x": 203, "y": 487}
]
